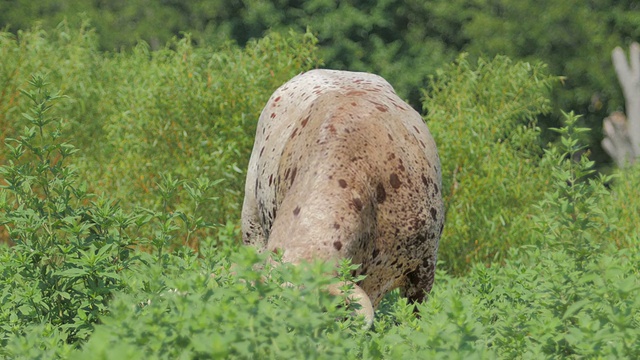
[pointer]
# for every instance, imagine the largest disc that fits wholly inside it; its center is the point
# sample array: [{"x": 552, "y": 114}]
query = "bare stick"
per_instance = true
[{"x": 622, "y": 135}]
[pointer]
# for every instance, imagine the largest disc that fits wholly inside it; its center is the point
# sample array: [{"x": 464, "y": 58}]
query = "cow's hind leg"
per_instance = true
[
  {"x": 252, "y": 231},
  {"x": 420, "y": 281},
  {"x": 360, "y": 297}
]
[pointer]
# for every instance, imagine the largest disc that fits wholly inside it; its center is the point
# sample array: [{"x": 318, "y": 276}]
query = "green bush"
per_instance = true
[
  {"x": 483, "y": 120},
  {"x": 191, "y": 112},
  {"x": 624, "y": 204},
  {"x": 495, "y": 171},
  {"x": 70, "y": 60},
  {"x": 209, "y": 312},
  {"x": 69, "y": 247},
  {"x": 186, "y": 111},
  {"x": 571, "y": 216}
]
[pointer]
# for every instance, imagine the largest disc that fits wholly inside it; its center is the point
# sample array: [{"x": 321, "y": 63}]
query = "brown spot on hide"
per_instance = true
[
  {"x": 357, "y": 203},
  {"x": 381, "y": 193},
  {"x": 355, "y": 93},
  {"x": 380, "y": 107},
  {"x": 296, "y": 211},
  {"x": 399, "y": 106},
  {"x": 395, "y": 181},
  {"x": 342, "y": 183},
  {"x": 337, "y": 245}
]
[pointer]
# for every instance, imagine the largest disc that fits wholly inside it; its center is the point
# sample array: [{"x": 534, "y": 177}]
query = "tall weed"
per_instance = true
[
  {"x": 70, "y": 247},
  {"x": 570, "y": 215},
  {"x": 483, "y": 120}
]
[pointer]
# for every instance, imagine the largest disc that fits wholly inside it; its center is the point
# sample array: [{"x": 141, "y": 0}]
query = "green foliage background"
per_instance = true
[
  {"x": 182, "y": 110},
  {"x": 404, "y": 41},
  {"x": 120, "y": 198}
]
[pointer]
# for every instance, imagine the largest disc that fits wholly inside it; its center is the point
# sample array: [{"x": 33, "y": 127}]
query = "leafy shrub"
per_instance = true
[
  {"x": 185, "y": 111},
  {"x": 570, "y": 213},
  {"x": 191, "y": 112},
  {"x": 540, "y": 303},
  {"x": 483, "y": 121},
  {"x": 69, "y": 249},
  {"x": 69, "y": 59},
  {"x": 210, "y": 312},
  {"x": 624, "y": 204}
]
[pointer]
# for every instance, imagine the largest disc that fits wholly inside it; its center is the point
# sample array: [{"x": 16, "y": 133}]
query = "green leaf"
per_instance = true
[
  {"x": 72, "y": 273},
  {"x": 575, "y": 308}
]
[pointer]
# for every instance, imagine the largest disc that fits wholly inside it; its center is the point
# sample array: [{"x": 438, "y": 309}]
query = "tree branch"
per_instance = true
[{"x": 622, "y": 135}]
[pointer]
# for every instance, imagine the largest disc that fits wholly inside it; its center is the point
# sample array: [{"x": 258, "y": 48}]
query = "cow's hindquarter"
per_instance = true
[
  {"x": 360, "y": 190},
  {"x": 409, "y": 211},
  {"x": 348, "y": 171},
  {"x": 322, "y": 191}
]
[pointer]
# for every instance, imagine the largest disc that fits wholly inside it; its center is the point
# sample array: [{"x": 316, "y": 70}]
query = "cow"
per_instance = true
[{"x": 341, "y": 167}]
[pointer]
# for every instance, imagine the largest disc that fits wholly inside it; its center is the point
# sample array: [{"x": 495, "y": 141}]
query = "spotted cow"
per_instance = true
[{"x": 343, "y": 168}]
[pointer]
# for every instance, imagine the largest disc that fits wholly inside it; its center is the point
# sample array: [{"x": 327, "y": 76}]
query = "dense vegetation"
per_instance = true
[
  {"x": 404, "y": 41},
  {"x": 121, "y": 188}
]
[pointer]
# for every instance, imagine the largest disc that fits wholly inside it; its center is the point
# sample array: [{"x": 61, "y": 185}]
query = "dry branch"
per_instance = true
[{"x": 622, "y": 134}]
